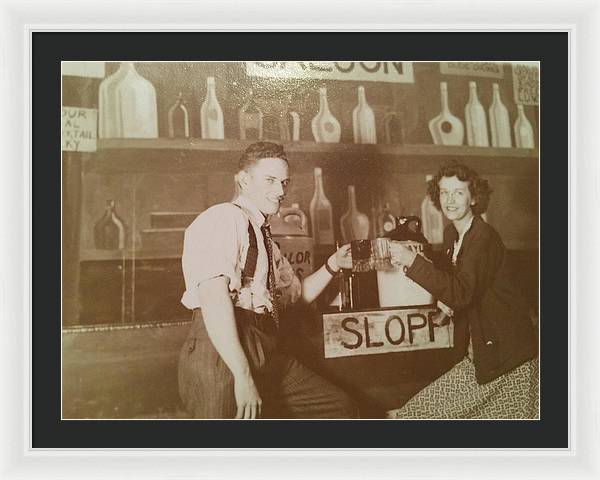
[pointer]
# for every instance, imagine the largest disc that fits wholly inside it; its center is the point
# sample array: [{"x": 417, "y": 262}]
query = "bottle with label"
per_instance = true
[
  {"x": 325, "y": 127},
  {"x": 251, "y": 119},
  {"x": 109, "y": 232},
  {"x": 446, "y": 129},
  {"x": 178, "y": 119},
  {"x": 433, "y": 224},
  {"x": 477, "y": 135},
  {"x": 363, "y": 120},
  {"x": 523, "y": 130},
  {"x": 354, "y": 224},
  {"x": 499, "y": 121},
  {"x": 387, "y": 220},
  {"x": 211, "y": 114},
  {"x": 321, "y": 216}
]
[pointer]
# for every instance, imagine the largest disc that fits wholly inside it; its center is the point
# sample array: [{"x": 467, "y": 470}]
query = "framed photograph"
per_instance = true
[{"x": 96, "y": 266}]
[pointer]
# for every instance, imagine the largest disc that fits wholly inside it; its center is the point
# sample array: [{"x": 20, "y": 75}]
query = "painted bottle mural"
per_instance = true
[
  {"x": 433, "y": 225},
  {"x": 109, "y": 231},
  {"x": 251, "y": 119},
  {"x": 446, "y": 129},
  {"x": 325, "y": 127},
  {"x": 354, "y": 224},
  {"x": 499, "y": 120},
  {"x": 178, "y": 119},
  {"x": 477, "y": 134},
  {"x": 321, "y": 215},
  {"x": 523, "y": 130},
  {"x": 363, "y": 120},
  {"x": 211, "y": 114}
]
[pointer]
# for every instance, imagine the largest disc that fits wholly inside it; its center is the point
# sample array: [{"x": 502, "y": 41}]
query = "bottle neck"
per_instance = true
[
  {"x": 323, "y": 105},
  {"x": 362, "y": 99},
  {"x": 473, "y": 94},
  {"x": 352, "y": 198},
  {"x": 319, "y": 183},
  {"x": 128, "y": 67},
  {"x": 444, "y": 96},
  {"x": 496, "y": 94}
]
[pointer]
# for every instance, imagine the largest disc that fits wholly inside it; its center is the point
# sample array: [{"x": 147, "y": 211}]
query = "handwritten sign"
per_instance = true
[
  {"x": 526, "y": 82},
  {"x": 83, "y": 69},
  {"x": 79, "y": 127},
  {"x": 397, "y": 72},
  {"x": 384, "y": 331},
  {"x": 473, "y": 69}
]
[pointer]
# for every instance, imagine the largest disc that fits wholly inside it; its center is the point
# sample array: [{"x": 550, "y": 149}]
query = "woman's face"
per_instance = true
[{"x": 455, "y": 198}]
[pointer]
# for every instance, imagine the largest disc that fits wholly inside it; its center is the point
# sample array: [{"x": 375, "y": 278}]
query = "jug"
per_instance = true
[{"x": 394, "y": 287}]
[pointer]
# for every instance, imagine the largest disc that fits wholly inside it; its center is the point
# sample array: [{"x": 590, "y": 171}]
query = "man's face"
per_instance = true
[
  {"x": 265, "y": 184},
  {"x": 455, "y": 198}
]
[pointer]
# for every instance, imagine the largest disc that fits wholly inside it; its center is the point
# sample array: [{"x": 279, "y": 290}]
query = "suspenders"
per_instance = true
[{"x": 252, "y": 255}]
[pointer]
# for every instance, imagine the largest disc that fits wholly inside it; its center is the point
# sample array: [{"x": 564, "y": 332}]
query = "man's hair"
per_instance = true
[
  {"x": 479, "y": 188},
  {"x": 258, "y": 151}
]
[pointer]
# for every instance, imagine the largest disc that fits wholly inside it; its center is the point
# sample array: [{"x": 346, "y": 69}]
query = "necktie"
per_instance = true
[{"x": 266, "y": 231}]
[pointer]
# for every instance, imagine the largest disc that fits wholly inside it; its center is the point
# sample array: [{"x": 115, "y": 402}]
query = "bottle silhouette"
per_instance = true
[
  {"x": 325, "y": 127},
  {"x": 433, "y": 224},
  {"x": 178, "y": 119},
  {"x": 321, "y": 216},
  {"x": 363, "y": 120},
  {"x": 499, "y": 121},
  {"x": 387, "y": 220},
  {"x": 477, "y": 135},
  {"x": 523, "y": 130},
  {"x": 446, "y": 129},
  {"x": 251, "y": 120},
  {"x": 109, "y": 232},
  {"x": 211, "y": 114},
  {"x": 354, "y": 224}
]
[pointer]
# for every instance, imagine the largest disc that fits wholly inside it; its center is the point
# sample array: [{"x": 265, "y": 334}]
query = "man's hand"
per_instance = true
[
  {"x": 342, "y": 258},
  {"x": 247, "y": 397}
]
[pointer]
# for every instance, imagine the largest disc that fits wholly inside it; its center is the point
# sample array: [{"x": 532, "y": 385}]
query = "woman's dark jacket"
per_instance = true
[{"x": 483, "y": 293}]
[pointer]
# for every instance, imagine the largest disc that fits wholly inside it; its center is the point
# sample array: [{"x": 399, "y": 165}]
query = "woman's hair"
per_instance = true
[
  {"x": 478, "y": 187},
  {"x": 258, "y": 151}
]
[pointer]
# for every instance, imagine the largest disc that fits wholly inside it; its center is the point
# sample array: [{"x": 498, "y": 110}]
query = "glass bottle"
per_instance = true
[
  {"x": 251, "y": 120},
  {"x": 523, "y": 130},
  {"x": 446, "y": 129},
  {"x": 211, "y": 114},
  {"x": 325, "y": 127},
  {"x": 387, "y": 220},
  {"x": 354, "y": 224},
  {"x": 499, "y": 121},
  {"x": 433, "y": 224},
  {"x": 363, "y": 120},
  {"x": 477, "y": 135},
  {"x": 109, "y": 121},
  {"x": 178, "y": 119},
  {"x": 109, "y": 232},
  {"x": 321, "y": 216}
]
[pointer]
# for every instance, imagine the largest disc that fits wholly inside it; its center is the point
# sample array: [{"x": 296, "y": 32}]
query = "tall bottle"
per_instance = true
[
  {"x": 251, "y": 120},
  {"x": 354, "y": 224},
  {"x": 109, "y": 119},
  {"x": 109, "y": 232},
  {"x": 499, "y": 121},
  {"x": 178, "y": 119},
  {"x": 477, "y": 135},
  {"x": 321, "y": 216},
  {"x": 446, "y": 129},
  {"x": 433, "y": 225},
  {"x": 523, "y": 130},
  {"x": 363, "y": 120},
  {"x": 325, "y": 127},
  {"x": 211, "y": 114}
]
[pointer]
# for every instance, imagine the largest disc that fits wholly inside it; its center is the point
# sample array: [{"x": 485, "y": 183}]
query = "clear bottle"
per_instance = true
[
  {"x": 499, "y": 120},
  {"x": 251, "y": 119},
  {"x": 211, "y": 114},
  {"x": 109, "y": 231},
  {"x": 523, "y": 130},
  {"x": 321, "y": 216},
  {"x": 109, "y": 120},
  {"x": 363, "y": 120},
  {"x": 477, "y": 135},
  {"x": 178, "y": 119},
  {"x": 433, "y": 224},
  {"x": 354, "y": 224},
  {"x": 446, "y": 129},
  {"x": 325, "y": 127}
]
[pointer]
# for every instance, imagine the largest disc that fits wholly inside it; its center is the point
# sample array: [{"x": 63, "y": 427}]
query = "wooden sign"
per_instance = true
[
  {"x": 348, "y": 334},
  {"x": 472, "y": 69},
  {"x": 396, "y": 72},
  {"x": 526, "y": 82},
  {"x": 79, "y": 128}
]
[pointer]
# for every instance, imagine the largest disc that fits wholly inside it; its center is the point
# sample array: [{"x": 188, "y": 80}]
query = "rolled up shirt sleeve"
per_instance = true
[{"x": 212, "y": 248}]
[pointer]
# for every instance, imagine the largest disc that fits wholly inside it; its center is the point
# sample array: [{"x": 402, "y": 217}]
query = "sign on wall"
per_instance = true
[
  {"x": 79, "y": 127},
  {"x": 473, "y": 69},
  {"x": 83, "y": 69},
  {"x": 347, "y": 334},
  {"x": 526, "y": 80},
  {"x": 397, "y": 72}
]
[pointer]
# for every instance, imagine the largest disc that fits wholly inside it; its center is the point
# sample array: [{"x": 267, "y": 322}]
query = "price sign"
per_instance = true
[{"x": 79, "y": 127}]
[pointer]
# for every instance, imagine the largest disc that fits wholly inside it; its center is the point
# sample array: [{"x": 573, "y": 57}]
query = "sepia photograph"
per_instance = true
[{"x": 299, "y": 240}]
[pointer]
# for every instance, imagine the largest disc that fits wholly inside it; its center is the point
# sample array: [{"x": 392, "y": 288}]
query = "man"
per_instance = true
[{"x": 236, "y": 283}]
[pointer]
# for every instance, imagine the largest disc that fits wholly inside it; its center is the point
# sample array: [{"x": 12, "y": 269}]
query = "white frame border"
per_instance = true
[{"x": 19, "y": 19}]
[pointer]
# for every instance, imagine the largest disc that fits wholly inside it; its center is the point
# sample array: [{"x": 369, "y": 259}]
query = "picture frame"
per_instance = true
[{"x": 20, "y": 460}]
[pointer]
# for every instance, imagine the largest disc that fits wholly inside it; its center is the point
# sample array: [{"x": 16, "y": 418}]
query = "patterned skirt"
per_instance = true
[{"x": 457, "y": 395}]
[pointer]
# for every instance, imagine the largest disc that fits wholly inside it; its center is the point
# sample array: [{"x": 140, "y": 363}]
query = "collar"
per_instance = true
[
  {"x": 257, "y": 216},
  {"x": 467, "y": 228}
]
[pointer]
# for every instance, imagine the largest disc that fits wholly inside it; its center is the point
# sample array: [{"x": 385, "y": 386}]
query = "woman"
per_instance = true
[{"x": 496, "y": 374}]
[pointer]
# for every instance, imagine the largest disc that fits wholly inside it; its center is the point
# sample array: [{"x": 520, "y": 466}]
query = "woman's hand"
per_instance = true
[
  {"x": 400, "y": 255},
  {"x": 342, "y": 258}
]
